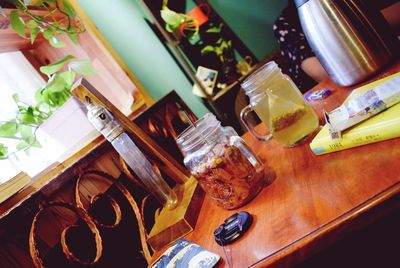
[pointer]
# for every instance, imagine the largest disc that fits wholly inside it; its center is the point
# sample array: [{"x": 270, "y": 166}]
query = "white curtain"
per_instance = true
[{"x": 16, "y": 76}]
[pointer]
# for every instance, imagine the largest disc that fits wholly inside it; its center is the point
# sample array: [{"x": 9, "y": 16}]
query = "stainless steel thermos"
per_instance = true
[{"x": 350, "y": 39}]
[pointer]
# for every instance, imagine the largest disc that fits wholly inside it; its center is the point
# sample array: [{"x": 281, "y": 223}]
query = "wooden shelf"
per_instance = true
[{"x": 188, "y": 56}]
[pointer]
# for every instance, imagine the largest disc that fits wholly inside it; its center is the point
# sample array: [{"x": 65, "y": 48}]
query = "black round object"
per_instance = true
[{"x": 233, "y": 228}]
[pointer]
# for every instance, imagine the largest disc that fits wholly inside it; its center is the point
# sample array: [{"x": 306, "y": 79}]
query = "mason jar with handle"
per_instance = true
[
  {"x": 222, "y": 163},
  {"x": 280, "y": 105}
]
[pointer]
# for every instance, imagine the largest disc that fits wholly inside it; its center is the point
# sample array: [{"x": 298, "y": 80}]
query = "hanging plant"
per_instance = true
[
  {"x": 21, "y": 130},
  {"x": 58, "y": 17}
]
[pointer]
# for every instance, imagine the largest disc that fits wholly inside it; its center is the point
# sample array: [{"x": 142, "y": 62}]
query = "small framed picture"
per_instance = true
[{"x": 208, "y": 78}]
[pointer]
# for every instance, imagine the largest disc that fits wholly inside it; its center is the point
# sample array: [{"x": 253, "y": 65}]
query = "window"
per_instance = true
[{"x": 62, "y": 135}]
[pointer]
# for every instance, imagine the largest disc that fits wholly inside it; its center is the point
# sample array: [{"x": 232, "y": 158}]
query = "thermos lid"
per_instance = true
[{"x": 299, "y": 3}]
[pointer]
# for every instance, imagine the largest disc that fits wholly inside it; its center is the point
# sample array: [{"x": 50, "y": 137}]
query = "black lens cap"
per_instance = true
[{"x": 233, "y": 228}]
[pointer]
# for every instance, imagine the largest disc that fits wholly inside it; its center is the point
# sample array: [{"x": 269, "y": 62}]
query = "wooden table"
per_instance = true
[{"x": 314, "y": 199}]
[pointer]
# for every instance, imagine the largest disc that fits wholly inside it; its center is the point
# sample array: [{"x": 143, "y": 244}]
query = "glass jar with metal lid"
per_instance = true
[{"x": 221, "y": 161}]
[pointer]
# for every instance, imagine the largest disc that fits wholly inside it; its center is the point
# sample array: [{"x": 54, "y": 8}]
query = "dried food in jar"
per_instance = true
[{"x": 228, "y": 177}]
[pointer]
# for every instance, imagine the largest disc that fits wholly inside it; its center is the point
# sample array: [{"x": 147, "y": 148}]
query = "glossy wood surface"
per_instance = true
[{"x": 313, "y": 200}]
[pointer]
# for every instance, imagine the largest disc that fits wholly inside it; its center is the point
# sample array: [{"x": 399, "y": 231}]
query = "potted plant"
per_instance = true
[{"x": 179, "y": 23}]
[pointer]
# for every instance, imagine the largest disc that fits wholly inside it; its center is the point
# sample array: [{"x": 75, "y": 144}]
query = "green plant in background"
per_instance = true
[
  {"x": 217, "y": 44},
  {"x": 52, "y": 96},
  {"x": 59, "y": 17},
  {"x": 180, "y": 23},
  {"x": 221, "y": 46}
]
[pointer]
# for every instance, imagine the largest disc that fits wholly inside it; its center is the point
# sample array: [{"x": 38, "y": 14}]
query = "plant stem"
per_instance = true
[
  {"x": 40, "y": 20},
  {"x": 26, "y": 147},
  {"x": 62, "y": 11}
]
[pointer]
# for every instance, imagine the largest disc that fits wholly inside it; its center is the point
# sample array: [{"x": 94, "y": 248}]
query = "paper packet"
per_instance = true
[
  {"x": 185, "y": 253},
  {"x": 362, "y": 107}
]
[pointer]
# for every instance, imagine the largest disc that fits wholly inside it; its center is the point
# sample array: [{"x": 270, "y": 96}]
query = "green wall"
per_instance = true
[
  {"x": 122, "y": 24},
  {"x": 252, "y": 21}
]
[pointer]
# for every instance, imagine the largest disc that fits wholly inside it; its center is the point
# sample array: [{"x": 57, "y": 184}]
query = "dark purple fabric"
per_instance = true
[{"x": 294, "y": 47}]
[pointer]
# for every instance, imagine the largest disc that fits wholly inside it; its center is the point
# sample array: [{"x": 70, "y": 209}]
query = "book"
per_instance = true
[
  {"x": 383, "y": 126},
  {"x": 184, "y": 253},
  {"x": 360, "y": 108},
  {"x": 13, "y": 185}
]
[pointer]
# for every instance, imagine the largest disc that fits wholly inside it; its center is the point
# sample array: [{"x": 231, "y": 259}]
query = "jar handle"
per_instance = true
[{"x": 243, "y": 116}]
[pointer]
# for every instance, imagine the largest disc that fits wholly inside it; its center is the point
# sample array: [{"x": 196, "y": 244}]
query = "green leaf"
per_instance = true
[
  {"x": 32, "y": 24},
  {"x": 214, "y": 30},
  {"x": 3, "y": 151},
  {"x": 40, "y": 114},
  {"x": 38, "y": 95},
  {"x": 34, "y": 33},
  {"x": 56, "y": 66},
  {"x": 25, "y": 118},
  {"x": 68, "y": 77},
  {"x": 48, "y": 33},
  {"x": 83, "y": 67},
  {"x": 224, "y": 45},
  {"x": 17, "y": 23},
  {"x": 73, "y": 37},
  {"x": 8, "y": 129},
  {"x": 208, "y": 49},
  {"x": 37, "y": 144},
  {"x": 22, "y": 145},
  {"x": 48, "y": 99},
  {"x": 55, "y": 84},
  {"x": 26, "y": 132},
  {"x": 15, "y": 97},
  {"x": 30, "y": 110},
  {"x": 54, "y": 42},
  {"x": 68, "y": 9},
  {"x": 171, "y": 17},
  {"x": 62, "y": 97},
  {"x": 169, "y": 28},
  {"x": 56, "y": 99},
  {"x": 22, "y": 109}
]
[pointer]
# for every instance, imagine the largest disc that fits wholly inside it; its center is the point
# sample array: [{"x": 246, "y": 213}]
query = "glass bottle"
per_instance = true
[
  {"x": 104, "y": 122},
  {"x": 280, "y": 105},
  {"x": 223, "y": 164}
]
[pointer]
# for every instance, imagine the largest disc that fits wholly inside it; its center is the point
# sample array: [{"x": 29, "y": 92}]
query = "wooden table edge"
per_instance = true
[{"x": 291, "y": 253}]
